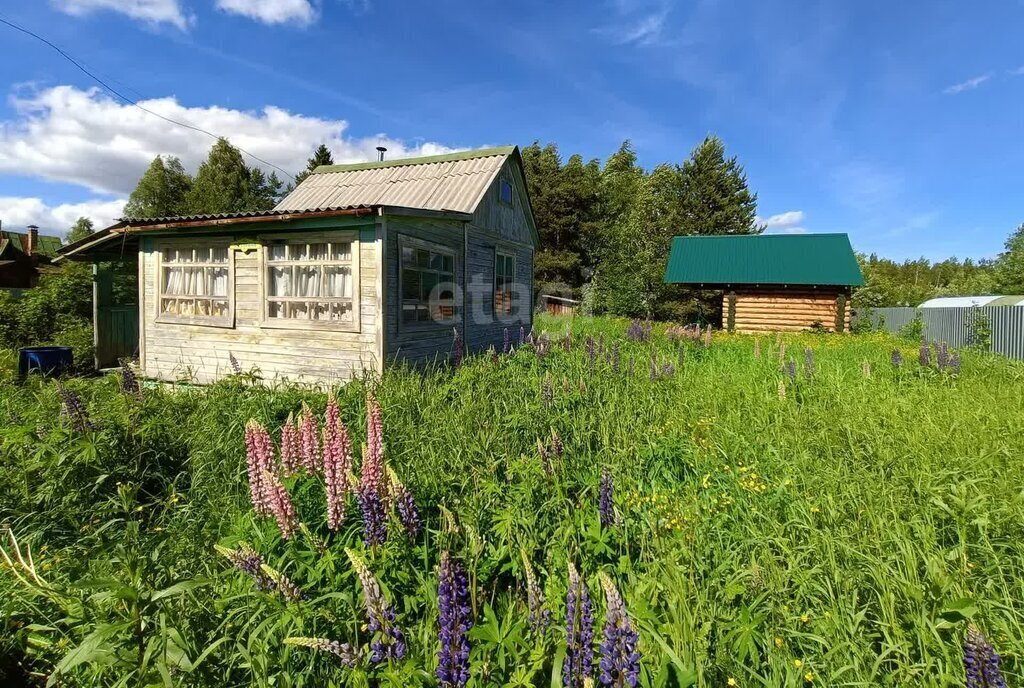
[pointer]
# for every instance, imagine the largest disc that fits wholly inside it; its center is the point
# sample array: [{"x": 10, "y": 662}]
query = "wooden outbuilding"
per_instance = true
[
  {"x": 21, "y": 256},
  {"x": 771, "y": 282},
  {"x": 361, "y": 265}
]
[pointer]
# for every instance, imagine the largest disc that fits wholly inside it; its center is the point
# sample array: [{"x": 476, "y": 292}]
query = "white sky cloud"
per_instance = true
[
  {"x": 786, "y": 219},
  {"x": 788, "y": 222},
  {"x": 970, "y": 84},
  {"x": 83, "y": 137},
  {"x": 151, "y": 11},
  {"x": 18, "y": 212},
  {"x": 301, "y": 12}
]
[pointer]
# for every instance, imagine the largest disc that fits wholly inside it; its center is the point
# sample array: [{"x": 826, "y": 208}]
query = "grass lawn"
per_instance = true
[{"x": 812, "y": 516}]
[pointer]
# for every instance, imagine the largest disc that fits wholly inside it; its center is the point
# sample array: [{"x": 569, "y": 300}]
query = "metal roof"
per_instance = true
[
  {"x": 45, "y": 245},
  {"x": 454, "y": 183},
  {"x": 791, "y": 259},
  {"x": 143, "y": 221},
  {"x": 970, "y": 301}
]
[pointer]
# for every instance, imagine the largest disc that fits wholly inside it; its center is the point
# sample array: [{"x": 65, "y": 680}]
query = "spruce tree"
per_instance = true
[
  {"x": 161, "y": 190},
  {"x": 321, "y": 156},
  {"x": 714, "y": 194}
]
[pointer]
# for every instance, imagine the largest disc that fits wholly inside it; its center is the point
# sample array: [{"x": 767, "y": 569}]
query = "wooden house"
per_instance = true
[
  {"x": 771, "y": 282},
  {"x": 21, "y": 255},
  {"x": 360, "y": 265}
]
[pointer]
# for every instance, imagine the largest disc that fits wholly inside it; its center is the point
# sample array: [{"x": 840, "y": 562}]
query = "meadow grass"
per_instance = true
[{"x": 840, "y": 533}]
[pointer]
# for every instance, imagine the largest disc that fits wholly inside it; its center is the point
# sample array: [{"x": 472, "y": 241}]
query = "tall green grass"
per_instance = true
[{"x": 841, "y": 535}]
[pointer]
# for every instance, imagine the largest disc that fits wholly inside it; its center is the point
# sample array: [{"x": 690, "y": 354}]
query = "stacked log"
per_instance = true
[{"x": 786, "y": 311}]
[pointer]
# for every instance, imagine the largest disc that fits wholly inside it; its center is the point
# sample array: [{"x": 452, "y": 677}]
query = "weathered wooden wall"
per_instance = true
[
  {"x": 172, "y": 351},
  {"x": 494, "y": 224},
  {"x": 768, "y": 310}
]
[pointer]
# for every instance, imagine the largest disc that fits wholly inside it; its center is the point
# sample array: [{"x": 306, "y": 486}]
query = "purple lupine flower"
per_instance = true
[
  {"x": 924, "y": 355},
  {"x": 129, "y": 381},
  {"x": 375, "y": 527},
  {"x": 681, "y": 355},
  {"x": 522, "y": 335},
  {"x": 606, "y": 501},
  {"x": 236, "y": 367},
  {"x": 632, "y": 365},
  {"x": 557, "y": 446},
  {"x": 547, "y": 394},
  {"x": 372, "y": 469},
  {"x": 506, "y": 343},
  {"x": 309, "y": 441},
  {"x": 280, "y": 503},
  {"x": 248, "y": 561},
  {"x": 616, "y": 357},
  {"x": 545, "y": 458},
  {"x": 897, "y": 358},
  {"x": 942, "y": 355},
  {"x": 567, "y": 342},
  {"x": 454, "y": 622},
  {"x": 337, "y": 455},
  {"x": 636, "y": 331},
  {"x": 954, "y": 362},
  {"x": 809, "y": 363},
  {"x": 668, "y": 370},
  {"x": 791, "y": 370},
  {"x": 981, "y": 663},
  {"x": 284, "y": 585},
  {"x": 259, "y": 460},
  {"x": 591, "y": 347},
  {"x": 291, "y": 457},
  {"x": 579, "y": 627},
  {"x": 620, "y": 658},
  {"x": 389, "y": 640},
  {"x": 405, "y": 505},
  {"x": 457, "y": 347},
  {"x": 73, "y": 410},
  {"x": 348, "y": 655}
]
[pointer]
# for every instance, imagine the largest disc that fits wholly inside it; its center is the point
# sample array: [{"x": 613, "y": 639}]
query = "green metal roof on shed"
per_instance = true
[
  {"x": 45, "y": 245},
  {"x": 786, "y": 259}
]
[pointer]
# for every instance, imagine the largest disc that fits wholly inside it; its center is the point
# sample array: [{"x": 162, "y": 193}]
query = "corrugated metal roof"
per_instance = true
[
  {"x": 453, "y": 183},
  {"x": 141, "y": 221},
  {"x": 45, "y": 245},
  {"x": 796, "y": 259},
  {"x": 970, "y": 301}
]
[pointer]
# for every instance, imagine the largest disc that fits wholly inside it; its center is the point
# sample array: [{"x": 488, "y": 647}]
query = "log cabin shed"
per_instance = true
[
  {"x": 360, "y": 265},
  {"x": 771, "y": 282}
]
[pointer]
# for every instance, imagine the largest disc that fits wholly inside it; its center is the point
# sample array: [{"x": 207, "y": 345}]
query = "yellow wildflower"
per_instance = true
[
  {"x": 731, "y": 682},
  {"x": 778, "y": 641},
  {"x": 798, "y": 663},
  {"x": 809, "y": 676},
  {"x": 805, "y": 618}
]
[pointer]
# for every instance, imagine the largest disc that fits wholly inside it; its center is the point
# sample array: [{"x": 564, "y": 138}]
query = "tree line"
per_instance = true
[{"x": 605, "y": 228}]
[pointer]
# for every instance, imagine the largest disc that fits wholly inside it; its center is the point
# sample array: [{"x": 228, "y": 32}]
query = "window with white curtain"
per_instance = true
[
  {"x": 311, "y": 281},
  {"x": 195, "y": 284}
]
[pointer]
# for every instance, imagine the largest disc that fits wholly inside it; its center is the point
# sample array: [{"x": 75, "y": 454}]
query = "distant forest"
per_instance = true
[{"x": 605, "y": 228}]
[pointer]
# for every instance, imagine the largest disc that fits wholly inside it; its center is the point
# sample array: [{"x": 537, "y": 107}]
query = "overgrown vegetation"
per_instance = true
[{"x": 819, "y": 509}]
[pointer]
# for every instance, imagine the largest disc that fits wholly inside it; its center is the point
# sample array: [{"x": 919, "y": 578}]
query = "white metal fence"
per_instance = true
[{"x": 959, "y": 326}]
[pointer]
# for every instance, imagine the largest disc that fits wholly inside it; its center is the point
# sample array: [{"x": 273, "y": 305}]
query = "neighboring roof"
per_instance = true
[
  {"x": 788, "y": 259},
  {"x": 452, "y": 182},
  {"x": 970, "y": 301},
  {"x": 45, "y": 245}
]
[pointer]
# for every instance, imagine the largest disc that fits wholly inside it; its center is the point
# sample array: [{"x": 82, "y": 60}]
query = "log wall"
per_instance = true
[{"x": 762, "y": 310}]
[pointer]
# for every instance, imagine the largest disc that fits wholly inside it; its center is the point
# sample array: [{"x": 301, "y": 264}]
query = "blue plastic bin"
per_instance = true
[{"x": 48, "y": 360}]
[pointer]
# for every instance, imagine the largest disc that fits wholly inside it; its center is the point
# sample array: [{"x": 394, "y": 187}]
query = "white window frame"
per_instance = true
[
  {"x": 350, "y": 237},
  {"x": 507, "y": 253},
  {"x": 406, "y": 241},
  {"x": 199, "y": 243}
]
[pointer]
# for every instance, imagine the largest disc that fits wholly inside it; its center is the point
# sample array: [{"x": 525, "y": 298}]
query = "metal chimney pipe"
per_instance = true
[{"x": 381, "y": 150}]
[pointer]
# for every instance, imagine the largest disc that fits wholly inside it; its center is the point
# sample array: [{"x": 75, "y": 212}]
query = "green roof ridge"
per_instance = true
[{"x": 422, "y": 160}]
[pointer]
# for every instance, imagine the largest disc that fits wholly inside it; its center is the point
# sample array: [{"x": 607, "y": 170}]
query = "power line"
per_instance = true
[{"x": 134, "y": 103}]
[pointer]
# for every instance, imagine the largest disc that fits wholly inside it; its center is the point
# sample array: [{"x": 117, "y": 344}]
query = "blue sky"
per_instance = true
[{"x": 899, "y": 123}]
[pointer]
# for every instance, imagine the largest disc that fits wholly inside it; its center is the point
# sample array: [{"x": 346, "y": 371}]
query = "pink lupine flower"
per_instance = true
[
  {"x": 309, "y": 441},
  {"x": 259, "y": 458},
  {"x": 373, "y": 458},
  {"x": 281, "y": 506},
  {"x": 337, "y": 464},
  {"x": 290, "y": 455}
]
